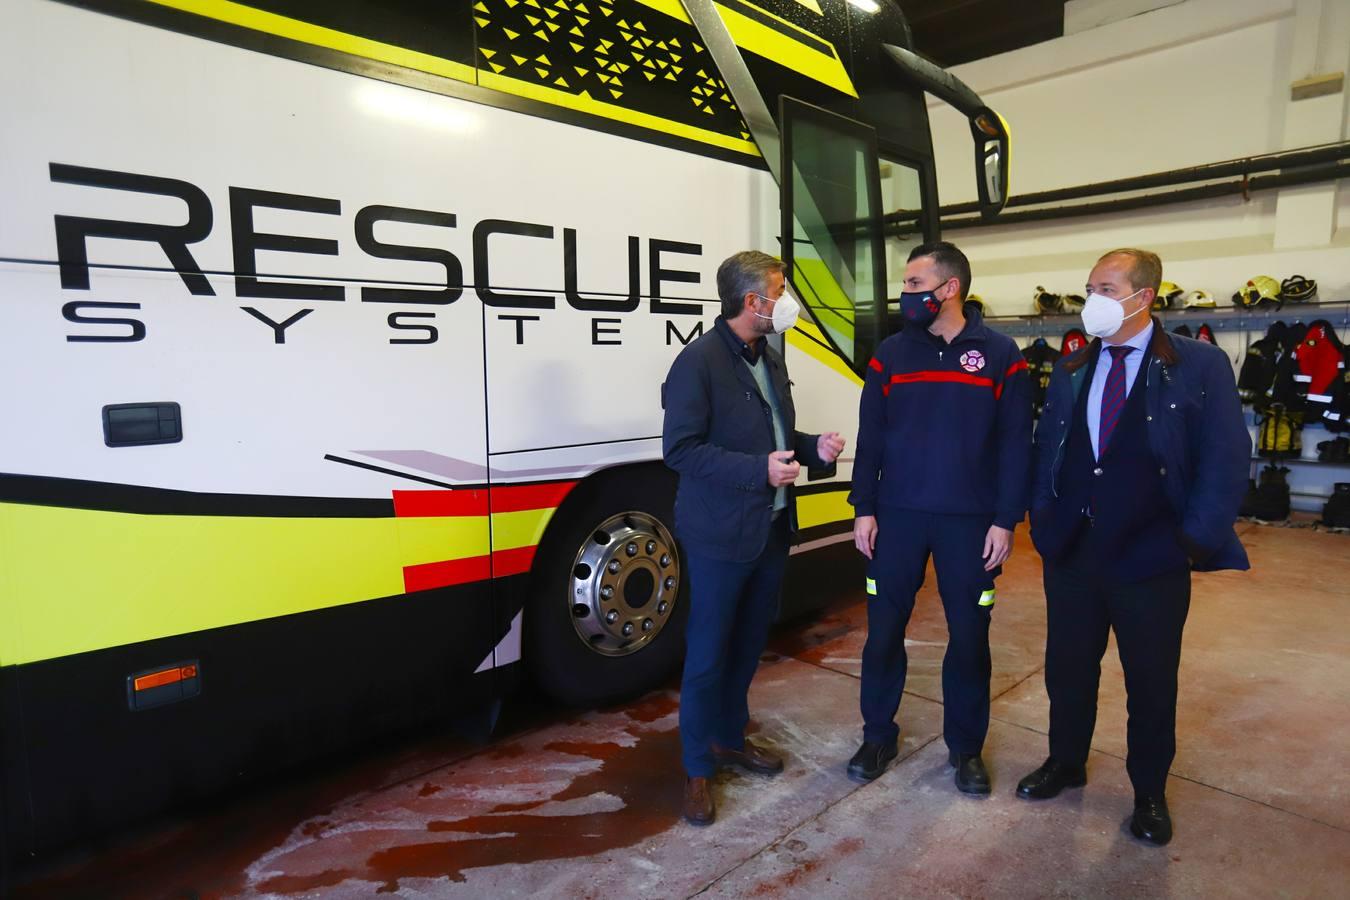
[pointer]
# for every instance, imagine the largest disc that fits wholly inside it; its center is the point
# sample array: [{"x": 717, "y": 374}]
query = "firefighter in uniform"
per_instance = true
[{"x": 944, "y": 451}]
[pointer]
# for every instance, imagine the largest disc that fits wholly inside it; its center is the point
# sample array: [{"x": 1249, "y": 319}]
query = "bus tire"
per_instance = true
[{"x": 608, "y": 600}]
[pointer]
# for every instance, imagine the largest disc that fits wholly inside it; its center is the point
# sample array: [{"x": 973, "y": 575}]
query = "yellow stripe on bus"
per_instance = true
[
  {"x": 90, "y": 579},
  {"x": 800, "y": 55},
  {"x": 318, "y": 36},
  {"x": 828, "y": 357},
  {"x": 823, "y": 508},
  {"x": 524, "y": 528},
  {"x": 586, "y": 104}
]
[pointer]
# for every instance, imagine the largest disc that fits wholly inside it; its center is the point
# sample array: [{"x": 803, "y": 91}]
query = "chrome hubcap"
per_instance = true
[{"x": 625, "y": 579}]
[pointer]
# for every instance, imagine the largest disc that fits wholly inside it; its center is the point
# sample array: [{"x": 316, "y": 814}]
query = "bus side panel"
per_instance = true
[{"x": 273, "y": 693}]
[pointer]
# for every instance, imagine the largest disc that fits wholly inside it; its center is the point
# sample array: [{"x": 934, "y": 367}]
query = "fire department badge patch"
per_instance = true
[{"x": 972, "y": 360}]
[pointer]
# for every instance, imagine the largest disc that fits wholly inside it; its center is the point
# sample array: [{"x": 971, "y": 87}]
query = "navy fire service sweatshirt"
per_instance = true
[{"x": 945, "y": 428}]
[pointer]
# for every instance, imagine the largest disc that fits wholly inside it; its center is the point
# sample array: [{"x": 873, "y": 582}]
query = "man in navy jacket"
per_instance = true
[
  {"x": 1141, "y": 462},
  {"x": 730, "y": 433},
  {"x": 944, "y": 449}
]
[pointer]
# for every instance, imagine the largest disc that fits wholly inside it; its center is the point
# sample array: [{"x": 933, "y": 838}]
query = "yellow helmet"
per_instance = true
[
  {"x": 1167, "y": 296},
  {"x": 977, "y": 302},
  {"x": 1259, "y": 291}
]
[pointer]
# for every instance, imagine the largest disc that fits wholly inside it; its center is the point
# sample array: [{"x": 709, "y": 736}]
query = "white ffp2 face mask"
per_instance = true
[
  {"x": 785, "y": 312},
  {"x": 1103, "y": 316}
]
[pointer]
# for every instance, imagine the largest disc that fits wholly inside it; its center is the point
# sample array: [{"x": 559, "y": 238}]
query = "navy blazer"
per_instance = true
[
  {"x": 718, "y": 435},
  {"x": 1196, "y": 433}
]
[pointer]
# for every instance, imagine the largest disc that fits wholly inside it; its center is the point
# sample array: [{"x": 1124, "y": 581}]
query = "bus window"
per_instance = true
[
  {"x": 902, "y": 191},
  {"x": 832, "y": 213}
]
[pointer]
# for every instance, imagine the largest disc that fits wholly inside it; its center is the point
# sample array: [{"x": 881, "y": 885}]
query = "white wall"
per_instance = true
[{"x": 1197, "y": 82}]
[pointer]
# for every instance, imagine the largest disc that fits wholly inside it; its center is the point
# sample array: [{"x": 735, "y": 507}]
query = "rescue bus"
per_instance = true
[{"x": 332, "y": 337}]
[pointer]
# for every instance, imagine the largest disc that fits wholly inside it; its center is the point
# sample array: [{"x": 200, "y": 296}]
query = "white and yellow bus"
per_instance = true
[{"x": 331, "y": 340}]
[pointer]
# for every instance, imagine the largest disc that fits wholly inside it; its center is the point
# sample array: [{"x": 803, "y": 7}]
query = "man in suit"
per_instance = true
[
  {"x": 1141, "y": 461},
  {"x": 730, "y": 434}
]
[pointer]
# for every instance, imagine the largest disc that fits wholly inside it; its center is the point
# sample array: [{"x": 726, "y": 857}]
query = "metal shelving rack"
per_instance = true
[{"x": 1231, "y": 318}]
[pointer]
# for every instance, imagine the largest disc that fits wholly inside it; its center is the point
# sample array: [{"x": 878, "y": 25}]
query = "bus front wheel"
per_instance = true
[{"x": 606, "y": 612}]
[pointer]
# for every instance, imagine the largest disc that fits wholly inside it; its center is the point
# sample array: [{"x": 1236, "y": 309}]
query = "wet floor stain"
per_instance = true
[{"x": 639, "y": 767}]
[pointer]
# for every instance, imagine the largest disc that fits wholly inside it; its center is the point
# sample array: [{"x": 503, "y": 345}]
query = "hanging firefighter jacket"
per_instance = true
[
  {"x": 1074, "y": 340},
  {"x": 1206, "y": 334},
  {"x": 1336, "y": 417},
  {"x": 1321, "y": 361},
  {"x": 1041, "y": 357},
  {"x": 1183, "y": 329},
  {"x": 1258, "y": 367}
]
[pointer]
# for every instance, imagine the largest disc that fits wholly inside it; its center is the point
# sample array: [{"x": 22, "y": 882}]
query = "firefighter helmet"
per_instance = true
[
  {"x": 1167, "y": 296},
  {"x": 1261, "y": 290},
  {"x": 1197, "y": 298},
  {"x": 1297, "y": 289},
  {"x": 1046, "y": 302}
]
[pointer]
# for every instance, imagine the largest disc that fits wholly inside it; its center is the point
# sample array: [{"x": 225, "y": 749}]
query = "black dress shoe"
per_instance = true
[
  {"x": 1151, "y": 822},
  {"x": 1051, "y": 778},
  {"x": 971, "y": 777},
  {"x": 871, "y": 760}
]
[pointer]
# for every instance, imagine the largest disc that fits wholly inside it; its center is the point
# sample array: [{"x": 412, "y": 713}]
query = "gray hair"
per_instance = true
[{"x": 744, "y": 273}]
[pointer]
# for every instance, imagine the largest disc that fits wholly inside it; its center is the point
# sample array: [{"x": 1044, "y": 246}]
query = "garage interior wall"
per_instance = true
[{"x": 1142, "y": 86}]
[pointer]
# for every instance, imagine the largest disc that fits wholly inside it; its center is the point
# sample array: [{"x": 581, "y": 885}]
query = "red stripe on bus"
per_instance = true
[
  {"x": 467, "y": 502},
  {"x": 512, "y": 562},
  {"x": 474, "y": 502},
  {"x": 517, "y": 497},
  {"x": 443, "y": 574}
]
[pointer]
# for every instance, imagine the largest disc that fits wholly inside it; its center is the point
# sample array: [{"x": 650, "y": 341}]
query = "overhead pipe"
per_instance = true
[
  {"x": 1244, "y": 187},
  {"x": 1308, "y": 156}
]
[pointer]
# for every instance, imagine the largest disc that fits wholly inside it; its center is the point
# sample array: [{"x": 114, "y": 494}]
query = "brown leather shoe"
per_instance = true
[
  {"x": 751, "y": 758},
  {"x": 698, "y": 801}
]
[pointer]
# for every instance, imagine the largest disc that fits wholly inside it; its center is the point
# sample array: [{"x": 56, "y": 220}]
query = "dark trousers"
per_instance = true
[
  {"x": 904, "y": 541},
  {"x": 1148, "y": 617},
  {"x": 731, "y": 606}
]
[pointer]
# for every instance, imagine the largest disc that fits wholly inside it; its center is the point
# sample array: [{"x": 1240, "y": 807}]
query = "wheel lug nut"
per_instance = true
[
  {"x": 612, "y": 616},
  {"x": 665, "y": 559},
  {"x": 669, "y": 582},
  {"x": 613, "y": 567},
  {"x": 607, "y": 592},
  {"x": 662, "y": 607},
  {"x": 627, "y": 629},
  {"x": 631, "y": 549},
  {"x": 651, "y": 546},
  {"x": 647, "y": 625}
]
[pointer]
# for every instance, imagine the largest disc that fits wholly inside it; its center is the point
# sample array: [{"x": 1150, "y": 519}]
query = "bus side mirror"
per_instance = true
[{"x": 992, "y": 145}]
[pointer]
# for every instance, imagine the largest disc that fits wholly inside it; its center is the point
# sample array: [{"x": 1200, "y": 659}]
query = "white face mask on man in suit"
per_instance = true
[{"x": 1103, "y": 316}]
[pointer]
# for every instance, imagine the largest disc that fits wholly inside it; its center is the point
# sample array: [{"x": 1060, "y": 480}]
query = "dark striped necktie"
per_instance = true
[{"x": 1113, "y": 398}]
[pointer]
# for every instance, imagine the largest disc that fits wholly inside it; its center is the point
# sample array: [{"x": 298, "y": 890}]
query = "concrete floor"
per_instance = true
[{"x": 587, "y": 805}]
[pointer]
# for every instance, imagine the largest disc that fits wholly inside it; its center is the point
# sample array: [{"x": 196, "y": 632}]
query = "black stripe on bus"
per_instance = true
[
  {"x": 823, "y": 487},
  {"x": 768, "y": 21},
  {"x": 72, "y": 493}
]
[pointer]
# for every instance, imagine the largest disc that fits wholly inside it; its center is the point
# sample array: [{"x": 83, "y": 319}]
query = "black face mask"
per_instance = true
[{"x": 919, "y": 307}]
